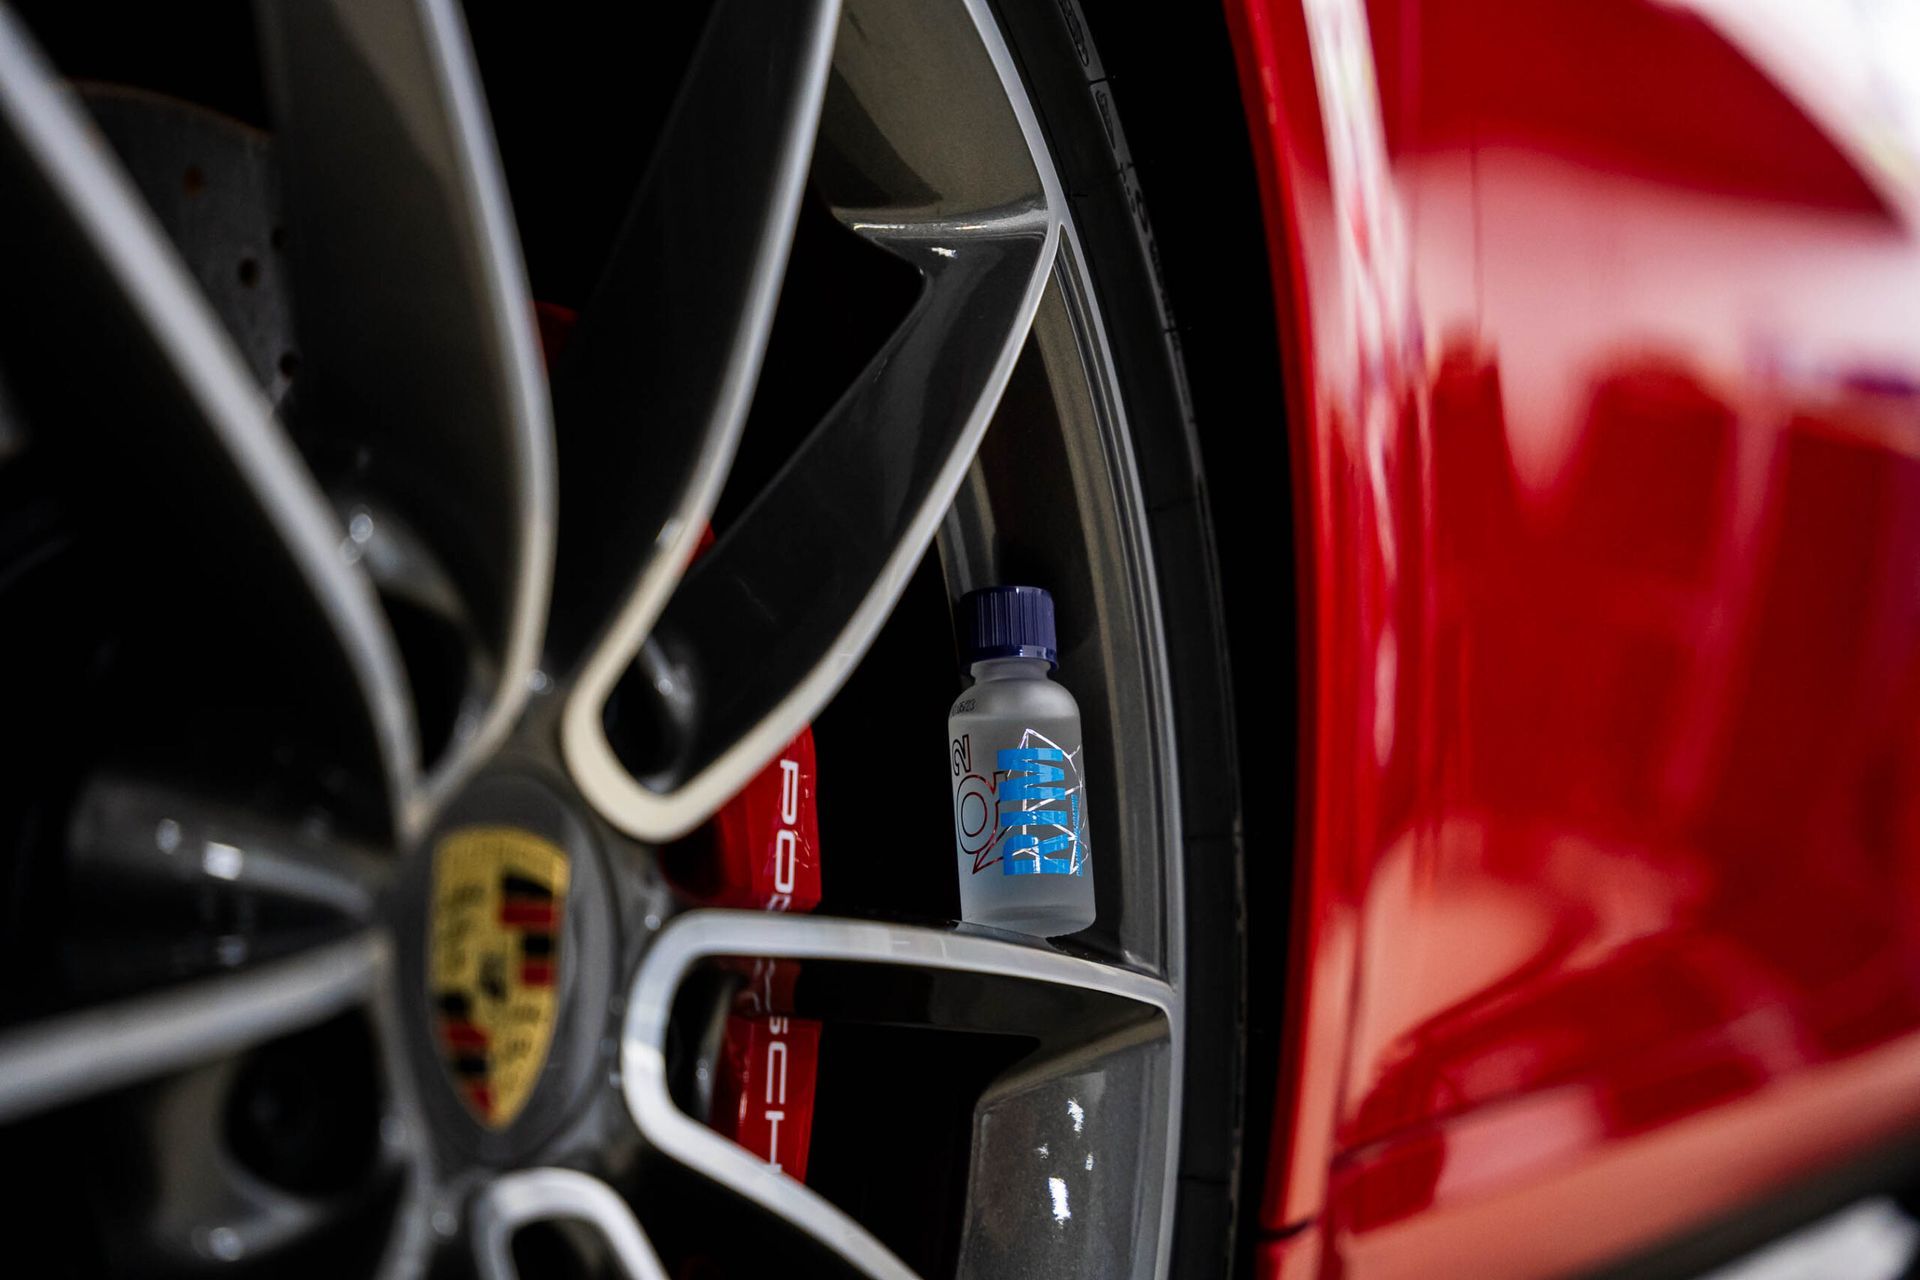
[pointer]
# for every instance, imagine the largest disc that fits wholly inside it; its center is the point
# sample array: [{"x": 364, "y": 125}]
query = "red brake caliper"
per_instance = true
[{"x": 766, "y": 844}]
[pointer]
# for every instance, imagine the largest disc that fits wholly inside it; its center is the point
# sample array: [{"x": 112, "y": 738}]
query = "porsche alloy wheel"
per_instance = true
[{"x": 364, "y": 615}]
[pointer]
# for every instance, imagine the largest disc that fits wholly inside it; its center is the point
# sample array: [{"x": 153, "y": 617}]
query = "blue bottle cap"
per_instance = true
[{"x": 1008, "y": 622}]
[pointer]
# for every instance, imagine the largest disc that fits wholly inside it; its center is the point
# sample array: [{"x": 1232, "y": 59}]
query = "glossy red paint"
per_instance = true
[{"x": 1602, "y": 326}]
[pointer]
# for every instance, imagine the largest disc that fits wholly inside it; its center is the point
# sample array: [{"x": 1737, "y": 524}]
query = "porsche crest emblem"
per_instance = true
[{"x": 499, "y": 894}]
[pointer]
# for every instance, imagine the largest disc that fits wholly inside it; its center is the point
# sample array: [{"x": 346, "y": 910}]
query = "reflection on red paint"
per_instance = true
[{"x": 1611, "y": 621}]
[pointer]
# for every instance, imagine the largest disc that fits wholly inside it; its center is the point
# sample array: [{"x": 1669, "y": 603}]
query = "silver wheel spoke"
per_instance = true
[
  {"x": 73, "y": 1056},
  {"x": 653, "y": 389},
  {"x": 145, "y": 838},
  {"x": 412, "y": 309},
  {"x": 407, "y": 1139},
  {"x": 1118, "y": 1008},
  {"x": 1072, "y": 1171},
  {"x": 202, "y": 1185},
  {"x": 768, "y": 626},
  {"x": 526, "y": 1196},
  {"x": 179, "y": 412}
]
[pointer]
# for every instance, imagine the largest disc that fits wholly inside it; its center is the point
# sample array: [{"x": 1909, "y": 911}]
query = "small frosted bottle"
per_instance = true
[{"x": 1014, "y": 754}]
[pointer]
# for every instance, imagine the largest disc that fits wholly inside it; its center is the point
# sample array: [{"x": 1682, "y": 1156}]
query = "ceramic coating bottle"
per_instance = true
[{"x": 1014, "y": 755}]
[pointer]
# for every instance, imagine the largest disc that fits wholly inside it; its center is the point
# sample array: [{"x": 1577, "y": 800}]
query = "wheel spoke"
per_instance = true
[
  {"x": 768, "y": 625},
  {"x": 226, "y": 1193},
  {"x": 73, "y": 1056},
  {"x": 1084, "y": 1009},
  {"x": 514, "y": 1200},
  {"x": 178, "y": 414},
  {"x": 205, "y": 1190},
  {"x": 413, "y": 313},
  {"x": 145, "y": 839},
  {"x": 163, "y": 886},
  {"x": 653, "y": 389},
  {"x": 407, "y": 1138},
  {"x": 1072, "y": 1171}
]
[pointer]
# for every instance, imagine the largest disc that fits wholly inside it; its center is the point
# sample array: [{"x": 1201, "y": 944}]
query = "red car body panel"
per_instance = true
[{"x": 1602, "y": 332}]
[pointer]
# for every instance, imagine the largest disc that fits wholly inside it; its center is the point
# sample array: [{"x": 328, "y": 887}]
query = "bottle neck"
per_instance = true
[{"x": 1011, "y": 669}]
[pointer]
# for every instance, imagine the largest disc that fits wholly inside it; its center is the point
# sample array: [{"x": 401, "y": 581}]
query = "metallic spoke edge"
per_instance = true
[
  {"x": 406, "y": 1136},
  {"x": 513, "y": 1200},
  {"x": 143, "y": 833},
  {"x": 647, "y": 814},
  {"x": 698, "y": 935},
  {"x": 124, "y": 236},
  {"x": 511, "y": 315},
  {"x": 583, "y": 734},
  {"x": 73, "y": 1056},
  {"x": 1077, "y": 289}
]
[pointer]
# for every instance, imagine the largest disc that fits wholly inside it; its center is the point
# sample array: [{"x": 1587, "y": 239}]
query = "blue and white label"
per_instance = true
[{"x": 1029, "y": 816}]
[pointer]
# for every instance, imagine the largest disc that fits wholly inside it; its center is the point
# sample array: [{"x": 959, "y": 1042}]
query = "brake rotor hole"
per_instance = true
[
  {"x": 249, "y": 272},
  {"x": 289, "y": 364},
  {"x": 194, "y": 181}
]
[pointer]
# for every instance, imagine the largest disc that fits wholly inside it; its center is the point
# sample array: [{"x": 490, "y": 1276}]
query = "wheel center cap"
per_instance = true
[
  {"x": 495, "y": 951},
  {"x": 510, "y": 983}
]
